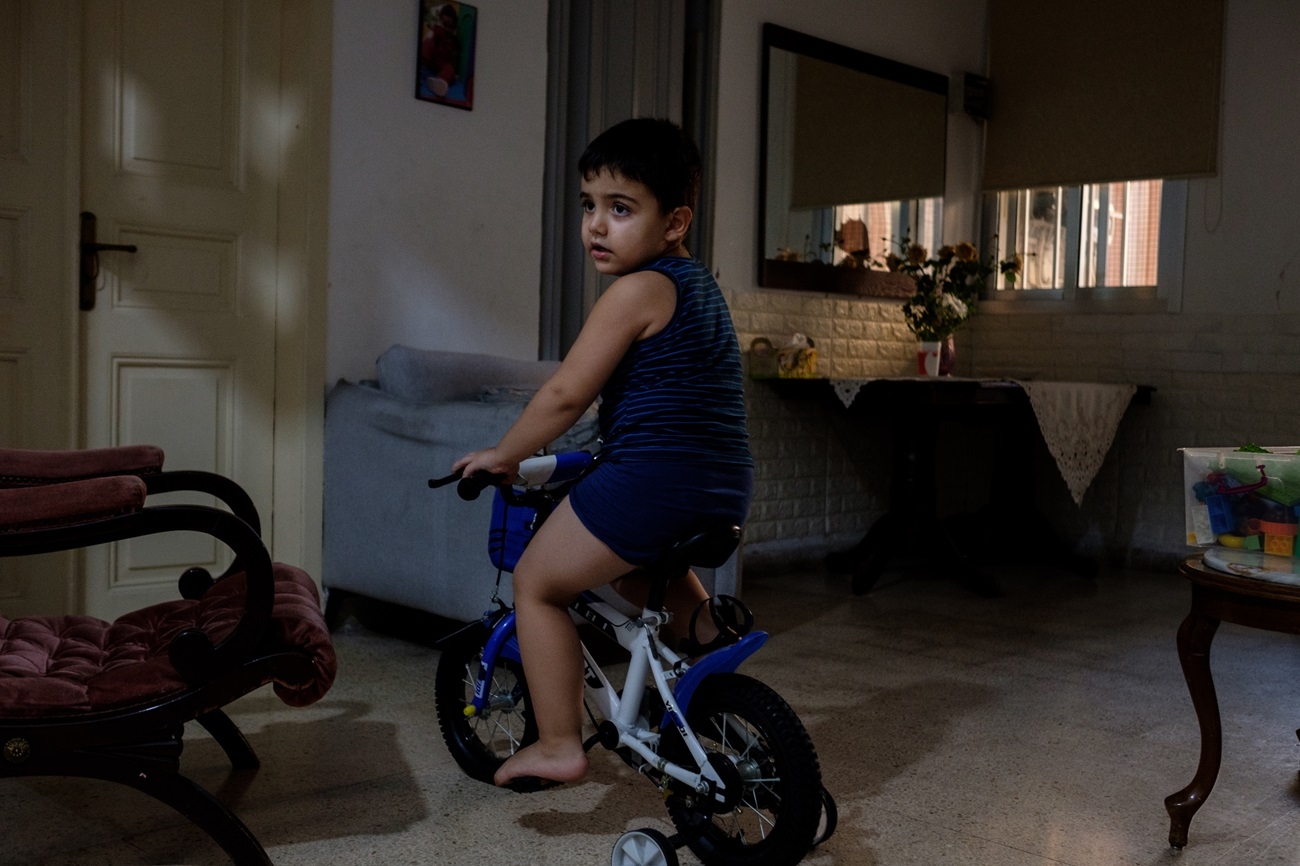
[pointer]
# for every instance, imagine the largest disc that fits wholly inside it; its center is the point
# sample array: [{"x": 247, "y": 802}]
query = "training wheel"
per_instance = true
[
  {"x": 830, "y": 817},
  {"x": 644, "y": 847}
]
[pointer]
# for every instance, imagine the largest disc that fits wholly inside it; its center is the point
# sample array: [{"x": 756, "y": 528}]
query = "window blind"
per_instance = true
[
  {"x": 864, "y": 138},
  {"x": 1106, "y": 90}
]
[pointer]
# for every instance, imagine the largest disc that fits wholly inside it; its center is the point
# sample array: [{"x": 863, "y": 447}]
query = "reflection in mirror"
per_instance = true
[{"x": 852, "y": 155}]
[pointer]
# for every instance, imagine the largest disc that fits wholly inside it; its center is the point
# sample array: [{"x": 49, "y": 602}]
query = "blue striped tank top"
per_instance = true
[{"x": 679, "y": 394}]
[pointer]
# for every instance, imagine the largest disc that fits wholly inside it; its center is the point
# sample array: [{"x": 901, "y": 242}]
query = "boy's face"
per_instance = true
[{"x": 622, "y": 226}]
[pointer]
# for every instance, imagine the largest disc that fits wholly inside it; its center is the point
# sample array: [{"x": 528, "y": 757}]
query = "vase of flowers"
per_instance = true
[{"x": 947, "y": 288}]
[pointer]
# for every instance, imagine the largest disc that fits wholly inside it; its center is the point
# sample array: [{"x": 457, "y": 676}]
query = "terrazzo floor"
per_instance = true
[{"x": 1043, "y": 727}]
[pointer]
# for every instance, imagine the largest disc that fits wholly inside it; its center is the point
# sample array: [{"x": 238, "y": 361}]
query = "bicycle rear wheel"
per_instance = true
[
  {"x": 482, "y": 742},
  {"x": 772, "y": 820}
]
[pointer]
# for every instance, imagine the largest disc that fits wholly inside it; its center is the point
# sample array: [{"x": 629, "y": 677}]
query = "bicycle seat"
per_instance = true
[{"x": 709, "y": 549}]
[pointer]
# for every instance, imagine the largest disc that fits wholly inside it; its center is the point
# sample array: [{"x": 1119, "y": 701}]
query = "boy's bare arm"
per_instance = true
[{"x": 634, "y": 307}]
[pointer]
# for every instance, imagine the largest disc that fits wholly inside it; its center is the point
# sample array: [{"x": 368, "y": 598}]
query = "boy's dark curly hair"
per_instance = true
[{"x": 651, "y": 151}]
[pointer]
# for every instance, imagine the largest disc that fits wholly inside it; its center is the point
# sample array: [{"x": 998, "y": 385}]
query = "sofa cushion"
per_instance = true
[{"x": 433, "y": 376}]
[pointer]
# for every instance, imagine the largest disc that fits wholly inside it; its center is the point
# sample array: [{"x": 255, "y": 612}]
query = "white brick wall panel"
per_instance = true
[{"x": 1219, "y": 380}]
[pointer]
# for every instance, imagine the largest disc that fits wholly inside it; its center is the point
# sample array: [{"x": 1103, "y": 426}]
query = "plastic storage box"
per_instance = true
[{"x": 1243, "y": 499}]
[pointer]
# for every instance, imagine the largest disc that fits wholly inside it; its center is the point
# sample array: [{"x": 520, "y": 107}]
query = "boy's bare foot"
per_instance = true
[{"x": 563, "y": 764}]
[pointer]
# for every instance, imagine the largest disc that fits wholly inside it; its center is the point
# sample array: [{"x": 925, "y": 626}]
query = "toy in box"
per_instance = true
[
  {"x": 796, "y": 361},
  {"x": 1246, "y": 498}
]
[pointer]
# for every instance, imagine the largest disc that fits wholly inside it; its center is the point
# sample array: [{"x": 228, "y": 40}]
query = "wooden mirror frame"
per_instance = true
[{"x": 816, "y": 276}]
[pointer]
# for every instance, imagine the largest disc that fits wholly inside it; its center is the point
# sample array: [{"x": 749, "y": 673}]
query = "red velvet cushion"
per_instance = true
[
  {"x": 25, "y": 508},
  {"x": 65, "y": 665},
  {"x": 26, "y": 468}
]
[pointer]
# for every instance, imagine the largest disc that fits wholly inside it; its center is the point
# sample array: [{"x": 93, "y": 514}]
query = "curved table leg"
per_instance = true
[{"x": 1194, "y": 637}]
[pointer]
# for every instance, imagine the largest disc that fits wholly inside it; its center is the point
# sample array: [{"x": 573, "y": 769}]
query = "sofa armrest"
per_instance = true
[{"x": 386, "y": 534}]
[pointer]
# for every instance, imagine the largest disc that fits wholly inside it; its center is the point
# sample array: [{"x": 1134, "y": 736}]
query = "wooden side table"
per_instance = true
[{"x": 1219, "y": 597}]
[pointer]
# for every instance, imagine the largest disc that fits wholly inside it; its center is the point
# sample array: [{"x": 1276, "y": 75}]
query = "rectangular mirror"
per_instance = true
[{"x": 852, "y": 161}]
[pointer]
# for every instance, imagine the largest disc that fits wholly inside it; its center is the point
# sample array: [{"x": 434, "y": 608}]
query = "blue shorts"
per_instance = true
[{"x": 639, "y": 509}]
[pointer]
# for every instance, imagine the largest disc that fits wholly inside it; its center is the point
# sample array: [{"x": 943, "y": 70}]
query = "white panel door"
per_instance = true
[
  {"x": 180, "y": 158},
  {"x": 37, "y": 289}
]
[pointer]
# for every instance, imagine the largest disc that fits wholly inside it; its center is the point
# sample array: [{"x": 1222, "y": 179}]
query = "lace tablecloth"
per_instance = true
[{"x": 1078, "y": 421}]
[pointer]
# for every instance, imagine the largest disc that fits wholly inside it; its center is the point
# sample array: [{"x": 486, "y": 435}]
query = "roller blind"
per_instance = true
[
  {"x": 863, "y": 138},
  {"x": 1104, "y": 90}
]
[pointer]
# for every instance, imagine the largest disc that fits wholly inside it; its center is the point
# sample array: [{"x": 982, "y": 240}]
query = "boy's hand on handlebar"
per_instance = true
[
  {"x": 482, "y": 469},
  {"x": 486, "y": 461}
]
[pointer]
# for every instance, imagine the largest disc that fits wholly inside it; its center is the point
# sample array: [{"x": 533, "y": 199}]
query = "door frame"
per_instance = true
[{"x": 302, "y": 283}]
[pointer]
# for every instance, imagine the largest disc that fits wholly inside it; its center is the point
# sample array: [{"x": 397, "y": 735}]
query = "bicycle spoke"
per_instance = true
[
  {"x": 479, "y": 742},
  {"x": 500, "y": 723},
  {"x": 510, "y": 737},
  {"x": 764, "y": 822}
]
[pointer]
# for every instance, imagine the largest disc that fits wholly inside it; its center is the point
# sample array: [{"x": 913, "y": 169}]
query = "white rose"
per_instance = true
[{"x": 955, "y": 304}]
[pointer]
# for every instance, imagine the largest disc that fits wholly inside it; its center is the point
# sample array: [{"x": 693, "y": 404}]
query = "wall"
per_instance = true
[
  {"x": 435, "y": 230},
  {"x": 1226, "y": 363},
  {"x": 435, "y": 241},
  {"x": 1243, "y": 248}
]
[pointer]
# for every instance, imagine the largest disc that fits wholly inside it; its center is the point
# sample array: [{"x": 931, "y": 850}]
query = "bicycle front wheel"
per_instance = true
[
  {"x": 772, "y": 819},
  {"x": 482, "y": 742}
]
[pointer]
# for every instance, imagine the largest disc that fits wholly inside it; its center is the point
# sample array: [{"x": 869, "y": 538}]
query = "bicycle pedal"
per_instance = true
[{"x": 731, "y": 618}]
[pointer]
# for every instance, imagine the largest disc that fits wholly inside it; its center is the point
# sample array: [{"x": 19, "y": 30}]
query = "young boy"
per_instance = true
[{"x": 660, "y": 350}]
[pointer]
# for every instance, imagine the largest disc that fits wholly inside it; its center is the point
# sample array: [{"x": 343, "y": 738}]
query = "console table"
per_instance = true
[{"x": 912, "y": 407}]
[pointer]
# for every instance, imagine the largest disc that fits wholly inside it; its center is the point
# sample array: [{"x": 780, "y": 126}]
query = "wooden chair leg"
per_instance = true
[
  {"x": 231, "y": 739},
  {"x": 167, "y": 786}
]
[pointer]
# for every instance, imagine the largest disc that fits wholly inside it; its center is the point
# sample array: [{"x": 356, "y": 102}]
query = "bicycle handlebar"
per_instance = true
[
  {"x": 533, "y": 472},
  {"x": 469, "y": 488}
]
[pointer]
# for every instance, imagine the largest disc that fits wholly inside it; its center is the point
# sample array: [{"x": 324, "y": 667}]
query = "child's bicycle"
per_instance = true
[{"x": 731, "y": 760}]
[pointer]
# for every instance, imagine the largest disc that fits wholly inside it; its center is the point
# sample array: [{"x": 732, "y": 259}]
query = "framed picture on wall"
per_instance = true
[{"x": 444, "y": 66}]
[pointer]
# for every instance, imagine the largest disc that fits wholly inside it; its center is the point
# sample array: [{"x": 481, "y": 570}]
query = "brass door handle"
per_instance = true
[{"x": 90, "y": 250}]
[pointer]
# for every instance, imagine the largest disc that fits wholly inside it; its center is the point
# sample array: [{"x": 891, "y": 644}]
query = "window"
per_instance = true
[{"x": 1094, "y": 241}]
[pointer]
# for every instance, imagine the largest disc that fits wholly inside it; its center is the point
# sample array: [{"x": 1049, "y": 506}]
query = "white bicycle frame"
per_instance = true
[{"x": 640, "y": 637}]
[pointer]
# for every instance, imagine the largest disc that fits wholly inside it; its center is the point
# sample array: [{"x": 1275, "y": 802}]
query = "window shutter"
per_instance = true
[{"x": 1106, "y": 90}]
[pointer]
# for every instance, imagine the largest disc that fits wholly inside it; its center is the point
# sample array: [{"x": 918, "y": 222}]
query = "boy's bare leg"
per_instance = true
[{"x": 562, "y": 560}]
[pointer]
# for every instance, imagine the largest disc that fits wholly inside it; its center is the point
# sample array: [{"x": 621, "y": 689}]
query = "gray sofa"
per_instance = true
[{"x": 386, "y": 534}]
